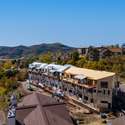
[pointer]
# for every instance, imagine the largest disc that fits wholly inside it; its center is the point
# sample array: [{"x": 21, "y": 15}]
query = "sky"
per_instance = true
[{"x": 71, "y": 22}]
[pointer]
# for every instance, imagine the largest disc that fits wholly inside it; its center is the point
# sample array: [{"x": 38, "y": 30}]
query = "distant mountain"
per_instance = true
[{"x": 22, "y": 51}]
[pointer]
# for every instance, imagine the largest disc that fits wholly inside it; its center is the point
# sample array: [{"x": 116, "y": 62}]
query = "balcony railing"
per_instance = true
[{"x": 75, "y": 82}]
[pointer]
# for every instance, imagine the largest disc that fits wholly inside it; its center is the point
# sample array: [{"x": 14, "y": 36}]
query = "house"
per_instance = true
[
  {"x": 88, "y": 86},
  {"x": 116, "y": 51},
  {"x": 38, "y": 109}
]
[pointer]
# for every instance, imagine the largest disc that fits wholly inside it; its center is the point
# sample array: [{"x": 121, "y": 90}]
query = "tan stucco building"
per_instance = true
[{"x": 95, "y": 87}]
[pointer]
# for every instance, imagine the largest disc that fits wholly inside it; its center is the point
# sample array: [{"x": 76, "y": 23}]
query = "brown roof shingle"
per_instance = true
[
  {"x": 38, "y": 109},
  {"x": 117, "y": 50}
]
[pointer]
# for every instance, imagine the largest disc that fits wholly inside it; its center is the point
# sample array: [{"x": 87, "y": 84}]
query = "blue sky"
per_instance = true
[{"x": 72, "y": 22}]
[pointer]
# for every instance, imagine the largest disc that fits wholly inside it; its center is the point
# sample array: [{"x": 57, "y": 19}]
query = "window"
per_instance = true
[
  {"x": 71, "y": 76},
  {"x": 108, "y": 92},
  {"x": 90, "y": 90},
  {"x": 65, "y": 89},
  {"x": 80, "y": 95},
  {"x": 80, "y": 87},
  {"x": 91, "y": 100},
  {"x": 109, "y": 105},
  {"x": 104, "y": 102},
  {"x": 104, "y": 92},
  {"x": 94, "y": 90},
  {"x": 99, "y": 91},
  {"x": 86, "y": 98},
  {"x": 104, "y": 84}
]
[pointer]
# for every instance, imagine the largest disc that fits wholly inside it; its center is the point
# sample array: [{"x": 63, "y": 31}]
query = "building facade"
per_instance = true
[{"x": 90, "y": 87}]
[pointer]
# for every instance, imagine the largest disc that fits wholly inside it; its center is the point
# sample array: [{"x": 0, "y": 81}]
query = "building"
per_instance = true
[
  {"x": 91, "y": 86},
  {"x": 94, "y": 53},
  {"x": 88, "y": 86},
  {"x": 123, "y": 49},
  {"x": 119, "y": 98},
  {"x": 83, "y": 51},
  {"x": 38, "y": 109},
  {"x": 48, "y": 74},
  {"x": 116, "y": 51}
]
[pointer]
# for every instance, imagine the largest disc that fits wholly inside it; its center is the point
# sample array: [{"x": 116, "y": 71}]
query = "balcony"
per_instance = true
[{"x": 75, "y": 82}]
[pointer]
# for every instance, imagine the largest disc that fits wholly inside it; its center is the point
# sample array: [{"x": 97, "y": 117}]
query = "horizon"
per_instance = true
[
  {"x": 74, "y": 23},
  {"x": 63, "y": 44}
]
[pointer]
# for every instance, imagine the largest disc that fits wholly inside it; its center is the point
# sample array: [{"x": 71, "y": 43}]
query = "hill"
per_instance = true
[{"x": 22, "y": 51}]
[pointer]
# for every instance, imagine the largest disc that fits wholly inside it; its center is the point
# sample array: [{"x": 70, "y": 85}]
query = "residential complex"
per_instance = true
[{"x": 90, "y": 87}]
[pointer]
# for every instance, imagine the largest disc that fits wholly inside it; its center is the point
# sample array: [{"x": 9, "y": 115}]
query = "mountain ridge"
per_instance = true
[{"x": 22, "y": 50}]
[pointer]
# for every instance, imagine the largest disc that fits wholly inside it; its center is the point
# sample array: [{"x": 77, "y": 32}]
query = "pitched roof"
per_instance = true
[
  {"x": 92, "y": 74},
  {"x": 115, "y": 49},
  {"x": 38, "y": 109}
]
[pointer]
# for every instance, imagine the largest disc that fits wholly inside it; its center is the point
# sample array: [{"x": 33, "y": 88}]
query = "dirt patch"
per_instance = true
[{"x": 88, "y": 119}]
